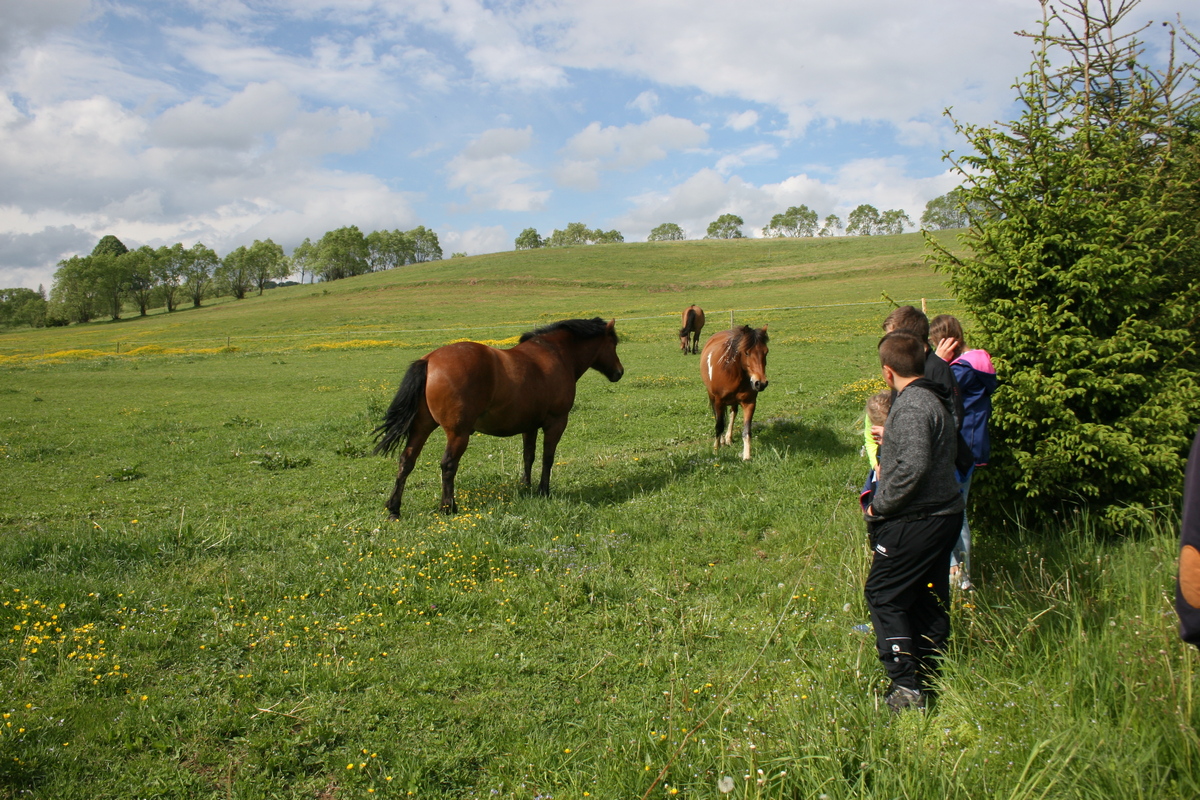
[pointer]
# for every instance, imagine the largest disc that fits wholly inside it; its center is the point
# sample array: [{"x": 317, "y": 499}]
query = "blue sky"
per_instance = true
[{"x": 224, "y": 121}]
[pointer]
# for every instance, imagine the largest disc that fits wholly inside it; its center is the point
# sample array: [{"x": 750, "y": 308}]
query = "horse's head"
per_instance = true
[
  {"x": 684, "y": 344},
  {"x": 752, "y": 353},
  {"x": 607, "y": 362}
]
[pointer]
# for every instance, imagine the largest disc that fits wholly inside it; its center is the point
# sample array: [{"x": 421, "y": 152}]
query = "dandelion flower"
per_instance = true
[{"x": 725, "y": 785}]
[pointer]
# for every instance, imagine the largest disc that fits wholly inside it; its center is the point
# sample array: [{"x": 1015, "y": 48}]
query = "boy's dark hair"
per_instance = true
[
  {"x": 946, "y": 326},
  {"x": 904, "y": 352},
  {"x": 908, "y": 318}
]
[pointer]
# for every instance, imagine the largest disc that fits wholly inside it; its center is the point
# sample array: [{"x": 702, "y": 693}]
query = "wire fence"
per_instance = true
[{"x": 231, "y": 340}]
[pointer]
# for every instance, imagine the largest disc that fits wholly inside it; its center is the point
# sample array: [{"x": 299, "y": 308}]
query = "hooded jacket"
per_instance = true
[
  {"x": 976, "y": 381},
  {"x": 916, "y": 459}
]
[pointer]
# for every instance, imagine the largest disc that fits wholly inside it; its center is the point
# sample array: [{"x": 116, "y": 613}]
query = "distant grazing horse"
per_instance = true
[
  {"x": 689, "y": 334},
  {"x": 467, "y": 386},
  {"x": 734, "y": 367}
]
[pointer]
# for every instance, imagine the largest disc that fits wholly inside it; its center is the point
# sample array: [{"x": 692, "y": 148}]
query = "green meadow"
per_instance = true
[{"x": 201, "y": 595}]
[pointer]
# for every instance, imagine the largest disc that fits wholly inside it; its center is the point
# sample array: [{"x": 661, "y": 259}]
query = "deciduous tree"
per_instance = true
[
  {"x": 267, "y": 263},
  {"x": 425, "y": 245},
  {"x": 796, "y": 221},
  {"x": 114, "y": 279},
  {"x": 22, "y": 306},
  {"x": 666, "y": 232},
  {"x": 574, "y": 235},
  {"x": 893, "y": 221},
  {"x": 234, "y": 274},
  {"x": 304, "y": 259},
  {"x": 726, "y": 226},
  {"x": 76, "y": 289},
  {"x": 342, "y": 253},
  {"x": 948, "y": 211},
  {"x": 169, "y": 267},
  {"x": 528, "y": 239},
  {"x": 389, "y": 249},
  {"x": 142, "y": 283},
  {"x": 831, "y": 226},
  {"x": 863, "y": 221},
  {"x": 199, "y": 272}
]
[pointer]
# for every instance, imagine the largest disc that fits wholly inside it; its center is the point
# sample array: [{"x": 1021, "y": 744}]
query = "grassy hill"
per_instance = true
[
  {"x": 510, "y": 291},
  {"x": 201, "y": 596}
]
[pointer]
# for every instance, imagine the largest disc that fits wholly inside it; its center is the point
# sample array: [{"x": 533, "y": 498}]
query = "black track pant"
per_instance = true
[{"x": 908, "y": 593}]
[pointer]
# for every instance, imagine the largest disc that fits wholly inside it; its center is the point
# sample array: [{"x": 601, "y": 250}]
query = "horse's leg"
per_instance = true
[
  {"x": 733, "y": 409},
  {"x": 529, "y": 447},
  {"x": 422, "y": 426},
  {"x": 552, "y": 431},
  {"x": 456, "y": 445},
  {"x": 747, "y": 418},
  {"x": 719, "y": 416}
]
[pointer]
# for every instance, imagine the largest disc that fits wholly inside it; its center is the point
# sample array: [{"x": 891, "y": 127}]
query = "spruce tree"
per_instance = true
[{"x": 1083, "y": 270}]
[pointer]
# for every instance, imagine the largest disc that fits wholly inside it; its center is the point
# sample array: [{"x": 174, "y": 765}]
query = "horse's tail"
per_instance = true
[
  {"x": 689, "y": 324},
  {"x": 403, "y": 410}
]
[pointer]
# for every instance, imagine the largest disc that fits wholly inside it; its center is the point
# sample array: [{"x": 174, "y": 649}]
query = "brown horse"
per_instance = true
[
  {"x": 733, "y": 365},
  {"x": 467, "y": 386},
  {"x": 689, "y": 334}
]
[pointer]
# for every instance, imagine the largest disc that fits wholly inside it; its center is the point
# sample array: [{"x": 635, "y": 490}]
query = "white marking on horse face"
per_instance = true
[{"x": 710, "y": 367}]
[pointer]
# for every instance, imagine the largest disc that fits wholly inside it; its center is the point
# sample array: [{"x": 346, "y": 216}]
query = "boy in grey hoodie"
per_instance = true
[{"x": 915, "y": 514}]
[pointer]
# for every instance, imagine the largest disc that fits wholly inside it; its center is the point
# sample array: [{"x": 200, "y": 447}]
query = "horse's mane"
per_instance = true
[
  {"x": 579, "y": 328},
  {"x": 744, "y": 337}
]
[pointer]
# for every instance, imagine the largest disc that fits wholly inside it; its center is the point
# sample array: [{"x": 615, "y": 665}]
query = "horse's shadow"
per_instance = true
[
  {"x": 787, "y": 435},
  {"x": 776, "y": 438}
]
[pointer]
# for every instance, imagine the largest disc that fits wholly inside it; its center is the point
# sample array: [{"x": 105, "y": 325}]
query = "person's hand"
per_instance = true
[
  {"x": 877, "y": 433},
  {"x": 946, "y": 349}
]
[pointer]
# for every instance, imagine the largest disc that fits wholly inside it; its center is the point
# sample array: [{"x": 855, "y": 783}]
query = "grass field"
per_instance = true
[{"x": 202, "y": 598}]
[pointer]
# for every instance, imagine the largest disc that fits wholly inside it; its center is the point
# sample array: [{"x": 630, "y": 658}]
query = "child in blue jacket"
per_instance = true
[{"x": 976, "y": 379}]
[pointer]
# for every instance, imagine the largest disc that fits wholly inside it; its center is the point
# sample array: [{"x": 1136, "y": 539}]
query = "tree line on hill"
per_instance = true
[
  {"x": 113, "y": 279},
  {"x": 941, "y": 213}
]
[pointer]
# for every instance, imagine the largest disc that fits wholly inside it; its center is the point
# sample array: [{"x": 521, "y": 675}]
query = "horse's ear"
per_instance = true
[
  {"x": 764, "y": 327},
  {"x": 612, "y": 324}
]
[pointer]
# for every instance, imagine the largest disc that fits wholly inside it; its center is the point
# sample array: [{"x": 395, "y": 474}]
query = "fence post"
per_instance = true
[
  {"x": 118, "y": 348},
  {"x": 923, "y": 309},
  {"x": 731, "y": 319}
]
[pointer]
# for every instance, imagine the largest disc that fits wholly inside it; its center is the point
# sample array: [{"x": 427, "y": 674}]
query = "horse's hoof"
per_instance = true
[{"x": 393, "y": 518}]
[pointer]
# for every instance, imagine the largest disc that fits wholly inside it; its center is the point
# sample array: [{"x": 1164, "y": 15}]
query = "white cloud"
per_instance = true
[
  {"x": 474, "y": 241},
  {"x": 865, "y": 60},
  {"x": 742, "y": 121},
  {"x": 66, "y": 70},
  {"x": 29, "y": 256},
  {"x": 758, "y": 154},
  {"x": 627, "y": 147},
  {"x": 361, "y": 71},
  {"x": 249, "y": 168},
  {"x": 646, "y": 102},
  {"x": 239, "y": 124},
  {"x": 23, "y": 24},
  {"x": 498, "y": 50},
  {"x": 493, "y": 177}
]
